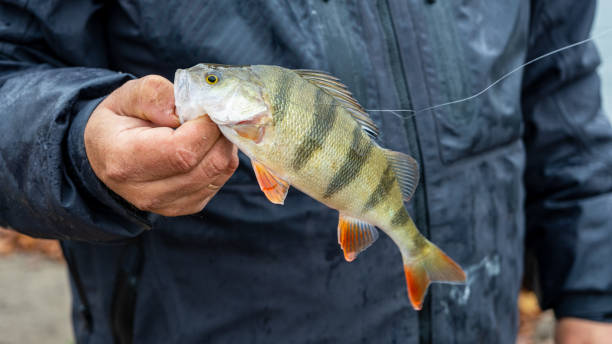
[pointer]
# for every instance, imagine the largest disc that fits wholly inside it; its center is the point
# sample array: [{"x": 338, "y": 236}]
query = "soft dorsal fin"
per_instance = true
[
  {"x": 355, "y": 236},
  {"x": 274, "y": 187},
  {"x": 332, "y": 86},
  {"x": 407, "y": 171}
]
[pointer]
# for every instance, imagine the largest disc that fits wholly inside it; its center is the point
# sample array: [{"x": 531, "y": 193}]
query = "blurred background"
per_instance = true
[
  {"x": 604, "y": 22},
  {"x": 34, "y": 295}
]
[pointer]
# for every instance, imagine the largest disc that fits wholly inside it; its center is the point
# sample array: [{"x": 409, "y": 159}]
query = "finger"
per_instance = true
[
  {"x": 169, "y": 202},
  {"x": 215, "y": 170},
  {"x": 173, "y": 198},
  {"x": 193, "y": 201},
  {"x": 148, "y": 154},
  {"x": 187, "y": 194},
  {"x": 187, "y": 205},
  {"x": 150, "y": 98},
  {"x": 209, "y": 175},
  {"x": 188, "y": 145},
  {"x": 197, "y": 135},
  {"x": 220, "y": 160}
]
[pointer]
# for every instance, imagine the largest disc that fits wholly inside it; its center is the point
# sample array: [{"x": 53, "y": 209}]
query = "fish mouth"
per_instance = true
[
  {"x": 181, "y": 86},
  {"x": 260, "y": 118},
  {"x": 182, "y": 92}
]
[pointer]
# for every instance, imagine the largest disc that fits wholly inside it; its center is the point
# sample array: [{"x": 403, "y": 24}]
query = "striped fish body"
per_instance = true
[
  {"x": 317, "y": 146},
  {"x": 303, "y": 128}
]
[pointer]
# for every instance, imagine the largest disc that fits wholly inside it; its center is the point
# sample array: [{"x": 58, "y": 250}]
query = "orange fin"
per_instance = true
[
  {"x": 355, "y": 236},
  {"x": 433, "y": 266},
  {"x": 272, "y": 186},
  {"x": 250, "y": 131},
  {"x": 418, "y": 283}
]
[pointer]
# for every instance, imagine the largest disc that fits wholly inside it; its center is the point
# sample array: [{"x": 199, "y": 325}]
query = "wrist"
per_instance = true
[{"x": 84, "y": 176}]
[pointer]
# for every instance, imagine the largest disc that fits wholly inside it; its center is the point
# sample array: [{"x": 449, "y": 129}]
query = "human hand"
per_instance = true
[
  {"x": 134, "y": 151},
  {"x": 580, "y": 331}
]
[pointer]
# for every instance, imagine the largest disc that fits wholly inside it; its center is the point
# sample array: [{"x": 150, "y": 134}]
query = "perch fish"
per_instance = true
[{"x": 303, "y": 128}]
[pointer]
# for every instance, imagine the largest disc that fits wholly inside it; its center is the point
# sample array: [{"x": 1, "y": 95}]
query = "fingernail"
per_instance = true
[{"x": 213, "y": 187}]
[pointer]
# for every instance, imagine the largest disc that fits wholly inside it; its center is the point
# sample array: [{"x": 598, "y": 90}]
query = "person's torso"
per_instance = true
[{"x": 247, "y": 271}]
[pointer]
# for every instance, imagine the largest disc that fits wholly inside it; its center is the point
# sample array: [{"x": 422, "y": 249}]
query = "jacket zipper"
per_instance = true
[{"x": 419, "y": 199}]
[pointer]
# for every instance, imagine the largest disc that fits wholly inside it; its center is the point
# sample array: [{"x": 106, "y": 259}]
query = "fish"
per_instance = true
[{"x": 303, "y": 128}]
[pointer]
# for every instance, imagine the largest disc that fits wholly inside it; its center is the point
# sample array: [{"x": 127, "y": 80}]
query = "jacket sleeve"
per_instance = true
[
  {"x": 569, "y": 165},
  {"x": 52, "y": 76}
]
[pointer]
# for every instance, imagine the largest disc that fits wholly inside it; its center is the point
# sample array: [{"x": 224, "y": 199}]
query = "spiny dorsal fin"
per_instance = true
[
  {"x": 332, "y": 86},
  {"x": 274, "y": 187},
  {"x": 407, "y": 172},
  {"x": 355, "y": 236}
]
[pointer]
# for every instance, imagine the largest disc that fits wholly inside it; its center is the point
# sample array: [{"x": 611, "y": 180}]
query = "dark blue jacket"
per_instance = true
[{"x": 528, "y": 161}]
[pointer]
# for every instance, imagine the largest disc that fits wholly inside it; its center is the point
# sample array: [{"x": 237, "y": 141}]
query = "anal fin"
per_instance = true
[
  {"x": 274, "y": 187},
  {"x": 355, "y": 236}
]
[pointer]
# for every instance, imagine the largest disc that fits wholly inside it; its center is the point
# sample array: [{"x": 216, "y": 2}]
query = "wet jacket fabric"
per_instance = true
[{"x": 528, "y": 161}]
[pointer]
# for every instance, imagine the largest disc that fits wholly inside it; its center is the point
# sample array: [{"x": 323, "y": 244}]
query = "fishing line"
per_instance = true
[{"x": 502, "y": 78}]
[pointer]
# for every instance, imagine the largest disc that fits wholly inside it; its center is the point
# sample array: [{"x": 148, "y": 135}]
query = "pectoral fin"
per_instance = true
[
  {"x": 355, "y": 236},
  {"x": 274, "y": 187},
  {"x": 406, "y": 170}
]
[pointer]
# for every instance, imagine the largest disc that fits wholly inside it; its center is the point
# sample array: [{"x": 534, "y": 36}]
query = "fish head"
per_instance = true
[{"x": 229, "y": 95}]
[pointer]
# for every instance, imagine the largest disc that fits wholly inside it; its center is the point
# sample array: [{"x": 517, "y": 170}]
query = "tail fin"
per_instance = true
[{"x": 433, "y": 266}]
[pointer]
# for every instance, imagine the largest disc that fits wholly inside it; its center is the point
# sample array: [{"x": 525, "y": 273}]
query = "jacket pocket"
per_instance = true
[
  {"x": 465, "y": 60},
  {"x": 471, "y": 130}
]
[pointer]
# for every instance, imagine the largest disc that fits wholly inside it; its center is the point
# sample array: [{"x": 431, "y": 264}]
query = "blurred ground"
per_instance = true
[
  {"x": 535, "y": 327},
  {"x": 34, "y": 307},
  {"x": 34, "y": 295}
]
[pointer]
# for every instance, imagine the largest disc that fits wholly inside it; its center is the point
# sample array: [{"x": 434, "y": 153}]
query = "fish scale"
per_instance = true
[{"x": 303, "y": 128}]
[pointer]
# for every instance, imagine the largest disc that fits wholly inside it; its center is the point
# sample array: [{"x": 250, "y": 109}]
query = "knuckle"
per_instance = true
[
  {"x": 152, "y": 86},
  {"x": 152, "y": 82},
  {"x": 146, "y": 93},
  {"x": 152, "y": 204},
  {"x": 222, "y": 165},
  {"x": 183, "y": 160},
  {"x": 233, "y": 163},
  {"x": 131, "y": 82},
  {"x": 117, "y": 173},
  {"x": 150, "y": 89}
]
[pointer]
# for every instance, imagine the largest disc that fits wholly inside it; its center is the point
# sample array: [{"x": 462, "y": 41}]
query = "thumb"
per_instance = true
[{"x": 150, "y": 98}]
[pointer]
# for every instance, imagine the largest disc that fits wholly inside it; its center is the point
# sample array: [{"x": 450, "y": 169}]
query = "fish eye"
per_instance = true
[{"x": 212, "y": 79}]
